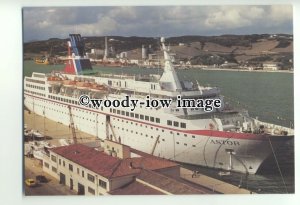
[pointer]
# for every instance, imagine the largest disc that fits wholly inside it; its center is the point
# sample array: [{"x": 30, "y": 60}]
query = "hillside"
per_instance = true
[{"x": 198, "y": 49}]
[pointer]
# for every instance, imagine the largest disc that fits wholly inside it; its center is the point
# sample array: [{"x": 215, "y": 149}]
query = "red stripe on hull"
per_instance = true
[{"x": 234, "y": 135}]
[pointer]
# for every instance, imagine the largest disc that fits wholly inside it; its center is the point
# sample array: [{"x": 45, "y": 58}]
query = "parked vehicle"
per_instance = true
[{"x": 30, "y": 182}]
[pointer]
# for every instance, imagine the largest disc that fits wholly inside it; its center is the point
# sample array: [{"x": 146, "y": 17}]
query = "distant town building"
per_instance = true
[
  {"x": 144, "y": 52},
  {"x": 229, "y": 65},
  {"x": 97, "y": 51},
  {"x": 134, "y": 61},
  {"x": 123, "y": 55},
  {"x": 270, "y": 66}
]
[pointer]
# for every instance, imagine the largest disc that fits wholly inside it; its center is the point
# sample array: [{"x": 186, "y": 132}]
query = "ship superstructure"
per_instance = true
[{"x": 223, "y": 138}]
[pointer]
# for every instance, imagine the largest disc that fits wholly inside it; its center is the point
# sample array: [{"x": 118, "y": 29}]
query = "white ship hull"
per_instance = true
[{"x": 177, "y": 145}]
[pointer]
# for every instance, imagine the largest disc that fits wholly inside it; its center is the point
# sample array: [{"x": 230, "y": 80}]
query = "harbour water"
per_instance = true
[{"x": 268, "y": 96}]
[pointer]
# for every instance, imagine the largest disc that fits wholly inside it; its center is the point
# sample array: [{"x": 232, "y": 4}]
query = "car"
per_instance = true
[
  {"x": 41, "y": 179},
  {"x": 30, "y": 182}
]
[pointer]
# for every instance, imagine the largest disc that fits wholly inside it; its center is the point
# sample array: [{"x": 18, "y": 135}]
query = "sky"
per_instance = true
[{"x": 41, "y": 23}]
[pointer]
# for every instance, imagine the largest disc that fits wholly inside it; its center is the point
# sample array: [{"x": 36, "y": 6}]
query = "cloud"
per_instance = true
[{"x": 47, "y": 22}]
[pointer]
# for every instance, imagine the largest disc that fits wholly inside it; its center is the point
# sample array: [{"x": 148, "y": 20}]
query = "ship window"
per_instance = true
[
  {"x": 185, "y": 144},
  {"x": 114, "y": 110},
  {"x": 136, "y": 115},
  {"x": 163, "y": 140},
  {"x": 177, "y": 142},
  {"x": 182, "y": 125},
  {"x": 127, "y": 113},
  {"x": 141, "y": 117},
  {"x": 193, "y": 136},
  {"x": 118, "y": 111},
  {"x": 169, "y": 122},
  {"x": 194, "y": 145},
  {"x": 147, "y": 118},
  {"x": 178, "y": 133},
  {"x": 176, "y": 124},
  {"x": 123, "y": 112},
  {"x": 185, "y": 135},
  {"x": 152, "y": 119},
  {"x": 131, "y": 114},
  {"x": 157, "y": 120}
]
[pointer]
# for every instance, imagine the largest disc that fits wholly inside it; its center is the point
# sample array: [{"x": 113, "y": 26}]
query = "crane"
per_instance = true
[{"x": 72, "y": 125}]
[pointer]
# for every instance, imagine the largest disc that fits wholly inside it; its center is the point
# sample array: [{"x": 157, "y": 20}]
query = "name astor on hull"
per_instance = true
[{"x": 225, "y": 142}]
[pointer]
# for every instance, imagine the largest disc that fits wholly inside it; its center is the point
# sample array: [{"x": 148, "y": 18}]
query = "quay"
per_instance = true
[
  {"x": 211, "y": 183},
  {"x": 54, "y": 130}
]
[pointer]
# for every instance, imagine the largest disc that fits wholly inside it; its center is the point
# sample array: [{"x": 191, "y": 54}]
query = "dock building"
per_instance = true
[{"x": 115, "y": 169}]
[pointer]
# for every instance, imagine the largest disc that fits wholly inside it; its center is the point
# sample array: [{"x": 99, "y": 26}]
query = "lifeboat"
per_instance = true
[
  {"x": 83, "y": 85},
  {"x": 54, "y": 80},
  {"x": 96, "y": 88},
  {"x": 69, "y": 83}
]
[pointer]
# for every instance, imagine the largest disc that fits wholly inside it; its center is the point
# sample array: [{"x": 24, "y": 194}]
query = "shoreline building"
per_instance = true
[{"x": 270, "y": 66}]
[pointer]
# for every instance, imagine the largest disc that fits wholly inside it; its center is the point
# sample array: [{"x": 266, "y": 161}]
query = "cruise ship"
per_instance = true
[{"x": 224, "y": 138}]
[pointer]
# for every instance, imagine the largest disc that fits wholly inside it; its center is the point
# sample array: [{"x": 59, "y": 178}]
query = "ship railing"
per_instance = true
[
  {"x": 114, "y": 76},
  {"x": 272, "y": 128}
]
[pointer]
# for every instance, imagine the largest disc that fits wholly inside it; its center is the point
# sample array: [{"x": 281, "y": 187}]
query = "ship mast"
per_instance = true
[{"x": 169, "y": 79}]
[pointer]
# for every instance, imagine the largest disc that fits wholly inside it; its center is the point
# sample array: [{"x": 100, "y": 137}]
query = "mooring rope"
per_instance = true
[{"x": 278, "y": 165}]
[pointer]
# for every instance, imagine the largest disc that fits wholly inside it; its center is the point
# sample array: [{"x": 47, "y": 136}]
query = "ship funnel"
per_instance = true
[{"x": 77, "y": 62}]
